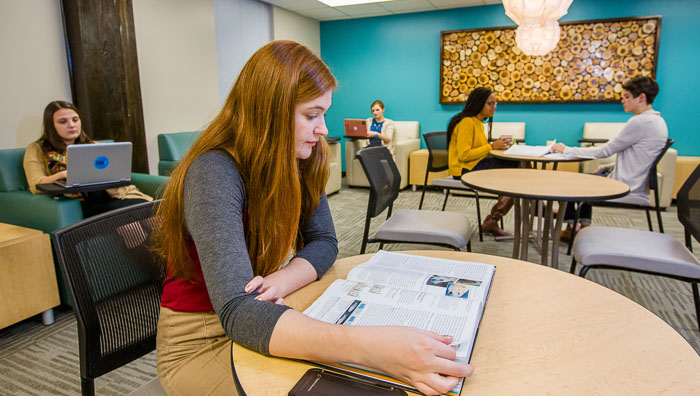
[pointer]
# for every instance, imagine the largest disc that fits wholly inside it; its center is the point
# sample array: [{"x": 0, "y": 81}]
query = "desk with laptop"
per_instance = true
[{"x": 93, "y": 167}]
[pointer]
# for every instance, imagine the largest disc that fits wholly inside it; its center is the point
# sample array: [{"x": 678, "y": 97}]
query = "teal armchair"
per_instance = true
[
  {"x": 18, "y": 206},
  {"x": 172, "y": 147}
]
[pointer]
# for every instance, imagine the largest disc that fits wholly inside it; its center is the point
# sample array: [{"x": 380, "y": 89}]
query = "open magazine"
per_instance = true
[
  {"x": 529, "y": 151},
  {"x": 394, "y": 289}
]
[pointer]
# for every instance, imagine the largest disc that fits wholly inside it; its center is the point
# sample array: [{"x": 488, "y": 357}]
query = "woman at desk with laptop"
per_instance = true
[
  {"x": 225, "y": 239},
  {"x": 45, "y": 161},
  {"x": 468, "y": 150}
]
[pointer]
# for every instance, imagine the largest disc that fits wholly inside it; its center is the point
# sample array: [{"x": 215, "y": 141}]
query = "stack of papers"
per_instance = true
[{"x": 529, "y": 151}]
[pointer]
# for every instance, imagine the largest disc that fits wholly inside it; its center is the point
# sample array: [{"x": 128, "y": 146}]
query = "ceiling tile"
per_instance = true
[
  {"x": 294, "y": 5},
  {"x": 363, "y": 10},
  {"x": 324, "y": 14},
  {"x": 456, "y": 3},
  {"x": 408, "y": 5}
]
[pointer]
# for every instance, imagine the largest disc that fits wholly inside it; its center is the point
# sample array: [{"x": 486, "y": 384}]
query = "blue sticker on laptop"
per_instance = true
[{"x": 101, "y": 162}]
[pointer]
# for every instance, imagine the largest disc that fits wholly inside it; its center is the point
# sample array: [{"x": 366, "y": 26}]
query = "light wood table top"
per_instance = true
[
  {"x": 545, "y": 184},
  {"x": 543, "y": 332}
]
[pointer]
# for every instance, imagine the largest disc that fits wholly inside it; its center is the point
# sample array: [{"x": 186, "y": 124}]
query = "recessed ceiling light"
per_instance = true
[{"x": 339, "y": 3}]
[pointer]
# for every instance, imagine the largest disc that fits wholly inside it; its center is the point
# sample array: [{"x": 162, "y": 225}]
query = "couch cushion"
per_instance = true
[
  {"x": 405, "y": 130},
  {"x": 174, "y": 146},
  {"x": 12, "y": 176}
]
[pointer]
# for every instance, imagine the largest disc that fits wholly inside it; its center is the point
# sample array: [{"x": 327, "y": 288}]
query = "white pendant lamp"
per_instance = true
[{"x": 538, "y": 30}]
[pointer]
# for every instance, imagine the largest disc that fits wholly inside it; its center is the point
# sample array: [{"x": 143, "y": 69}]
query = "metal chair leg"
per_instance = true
[
  {"x": 649, "y": 220},
  {"x": 584, "y": 271},
  {"x": 87, "y": 387},
  {"x": 447, "y": 195},
  {"x": 696, "y": 298},
  {"x": 478, "y": 216},
  {"x": 572, "y": 270},
  {"x": 688, "y": 240}
]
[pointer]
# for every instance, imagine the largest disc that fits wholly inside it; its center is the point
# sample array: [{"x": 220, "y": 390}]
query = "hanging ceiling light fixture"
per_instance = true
[{"x": 538, "y": 30}]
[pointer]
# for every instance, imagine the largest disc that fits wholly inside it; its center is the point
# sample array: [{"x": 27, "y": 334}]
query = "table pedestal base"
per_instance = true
[{"x": 523, "y": 227}]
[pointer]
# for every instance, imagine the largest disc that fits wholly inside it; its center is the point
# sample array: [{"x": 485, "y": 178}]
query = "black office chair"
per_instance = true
[
  {"x": 436, "y": 142},
  {"x": 646, "y": 251},
  {"x": 410, "y": 226},
  {"x": 652, "y": 181},
  {"x": 115, "y": 282}
]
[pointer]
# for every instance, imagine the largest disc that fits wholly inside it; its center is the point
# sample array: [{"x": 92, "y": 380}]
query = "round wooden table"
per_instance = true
[
  {"x": 549, "y": 186},
  {"x": 543, "y": 332}
]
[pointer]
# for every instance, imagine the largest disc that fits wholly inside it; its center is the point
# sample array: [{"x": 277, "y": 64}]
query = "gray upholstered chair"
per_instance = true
[
  {"x": 408, "y": 226},
  {"x": 645, "y": 251}
]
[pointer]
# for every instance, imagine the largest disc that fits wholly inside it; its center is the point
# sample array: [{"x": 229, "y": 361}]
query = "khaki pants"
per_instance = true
[{"x": 193, "y": 354}]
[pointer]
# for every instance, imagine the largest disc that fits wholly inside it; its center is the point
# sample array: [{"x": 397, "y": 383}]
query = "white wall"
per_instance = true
[
  {"x": 287, "y": 25},
  {"x": 34, "y": 69},
  {"x": 242, "y": 26},
  {"x": 176, "y": 44}
]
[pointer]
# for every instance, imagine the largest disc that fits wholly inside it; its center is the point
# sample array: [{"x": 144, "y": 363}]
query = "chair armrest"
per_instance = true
[
  {"x": 403, "y": 150},
  {"x": 153, "y": 185},
  {"x": 592, "y": 141},
  {"x": 41, "y": 212}
]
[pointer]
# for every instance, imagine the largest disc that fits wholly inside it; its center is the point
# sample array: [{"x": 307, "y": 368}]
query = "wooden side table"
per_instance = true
[{"x": 28, "y": 281}]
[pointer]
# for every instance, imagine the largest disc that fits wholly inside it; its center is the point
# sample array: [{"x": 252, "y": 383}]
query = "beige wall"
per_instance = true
[
  {"x": 34, "y": 68},
  {"x": 287, "y": 25},
  {"x": 176, "y": 44}
]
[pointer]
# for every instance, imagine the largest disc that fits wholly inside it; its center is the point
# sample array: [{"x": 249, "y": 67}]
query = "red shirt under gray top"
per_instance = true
[{"x": 215, "y": 202}]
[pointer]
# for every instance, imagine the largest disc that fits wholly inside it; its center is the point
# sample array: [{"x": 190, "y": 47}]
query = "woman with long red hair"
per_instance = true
[{"x": 249, "y": 191}]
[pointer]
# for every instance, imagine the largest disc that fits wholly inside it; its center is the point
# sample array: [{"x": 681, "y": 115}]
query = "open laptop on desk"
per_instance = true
[
  {"x": 355, "y": 128},
  {"x": 95, "y": 164}
]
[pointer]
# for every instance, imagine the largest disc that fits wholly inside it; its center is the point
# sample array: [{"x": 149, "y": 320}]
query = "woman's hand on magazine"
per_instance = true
[
  {"x": 266, "y": 292},
  {"x": 424, "y": 359}
]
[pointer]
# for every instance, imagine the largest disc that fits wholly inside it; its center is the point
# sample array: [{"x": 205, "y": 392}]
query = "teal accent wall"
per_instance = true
[{"x": 396, "y": 59}]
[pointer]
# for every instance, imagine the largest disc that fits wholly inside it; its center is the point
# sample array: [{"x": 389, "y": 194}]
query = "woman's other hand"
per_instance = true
[
  {"x": 372, "y": 134},
  {"x": 558, "y": 147},
  {"x": 421, "y": 358},
  {"x": 501, "y": 143},
  {"x": 266, "y": 292}
]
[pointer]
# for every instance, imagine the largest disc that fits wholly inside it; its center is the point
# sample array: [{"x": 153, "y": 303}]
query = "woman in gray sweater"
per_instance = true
[{"x": 249, "y": 191}]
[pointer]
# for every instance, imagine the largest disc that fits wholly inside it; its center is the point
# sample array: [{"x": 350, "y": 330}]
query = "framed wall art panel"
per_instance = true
[{"x": 590, "y": 63}]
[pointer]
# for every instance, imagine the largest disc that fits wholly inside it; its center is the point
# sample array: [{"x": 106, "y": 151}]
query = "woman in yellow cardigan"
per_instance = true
[{"x": 469, "y": 150}]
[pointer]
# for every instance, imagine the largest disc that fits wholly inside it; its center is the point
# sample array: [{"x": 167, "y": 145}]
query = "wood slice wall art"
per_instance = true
[{"x": 590, "y": 63}]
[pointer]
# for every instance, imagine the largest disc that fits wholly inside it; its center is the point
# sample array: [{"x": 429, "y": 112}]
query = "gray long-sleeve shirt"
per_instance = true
[
  {"x": 637, "y": 146},
  {"x": 214, "y": 198}
]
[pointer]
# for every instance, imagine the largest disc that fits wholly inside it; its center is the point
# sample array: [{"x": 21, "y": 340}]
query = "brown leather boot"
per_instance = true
[{"x": 490, "y": 224}]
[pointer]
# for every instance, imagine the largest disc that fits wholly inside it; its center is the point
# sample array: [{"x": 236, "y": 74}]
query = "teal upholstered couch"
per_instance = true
[
  {"x": 18, "y": 206},
  {"x": 171, "y": 148}
]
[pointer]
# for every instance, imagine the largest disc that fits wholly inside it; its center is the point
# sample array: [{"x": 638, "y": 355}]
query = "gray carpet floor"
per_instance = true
[{"x": 43, "y": 360}]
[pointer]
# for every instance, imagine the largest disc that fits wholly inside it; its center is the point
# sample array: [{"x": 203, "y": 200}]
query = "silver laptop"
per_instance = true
[{"x": 92, "y": 164}]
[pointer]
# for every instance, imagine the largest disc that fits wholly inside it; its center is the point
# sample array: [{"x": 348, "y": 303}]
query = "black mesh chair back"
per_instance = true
[
  {"x": 115, "y": 282},
  {"x": 688, "y": 204},
  {"x": 436, "y": 142},
  {"x": 383, "y": 176},
  {"x": 653, "y": 182},
  {"x": 384, "y": 181}
]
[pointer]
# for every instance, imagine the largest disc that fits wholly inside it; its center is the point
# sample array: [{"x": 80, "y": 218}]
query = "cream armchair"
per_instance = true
[
  {"x": 406, "y": 141},
  {"x": 666, "y": 169},
  {"x": 335, "y": 175},
  {"x": 516, "y": 129}
]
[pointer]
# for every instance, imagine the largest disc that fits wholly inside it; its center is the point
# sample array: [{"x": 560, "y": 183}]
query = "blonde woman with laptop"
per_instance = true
[
  {"x": 45, "y": 161},
  {"x": 380, "y": 130}
]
